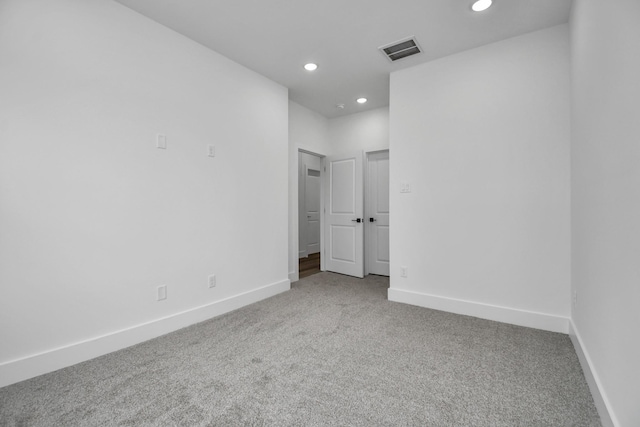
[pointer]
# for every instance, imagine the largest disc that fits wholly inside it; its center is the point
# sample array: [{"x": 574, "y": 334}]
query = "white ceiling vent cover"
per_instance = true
[{"x": 401, "y": 49}]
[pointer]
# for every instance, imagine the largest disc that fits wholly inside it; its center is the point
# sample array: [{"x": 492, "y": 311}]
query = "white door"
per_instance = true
[
  {"x": 377, "y": 219},
  {"x": 312, "y": 208},
  {"x": 344, "y": 226}
]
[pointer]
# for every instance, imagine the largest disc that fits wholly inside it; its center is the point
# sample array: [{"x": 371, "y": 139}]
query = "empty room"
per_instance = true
[{"x": 286, "y": 213}]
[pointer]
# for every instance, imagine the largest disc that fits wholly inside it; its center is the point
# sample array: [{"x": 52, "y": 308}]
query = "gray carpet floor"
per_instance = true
[{"x": 330, "y": 352}]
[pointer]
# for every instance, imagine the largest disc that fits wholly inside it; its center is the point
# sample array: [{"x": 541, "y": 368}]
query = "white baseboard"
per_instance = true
[
  {"x": 607, "y": 417},
  {"x": 530, "y": 319},
  {"x": 17, "y": 370}
]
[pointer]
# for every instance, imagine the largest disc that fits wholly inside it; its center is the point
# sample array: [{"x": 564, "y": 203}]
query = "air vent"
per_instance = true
[{"x": 401, "y": 49}]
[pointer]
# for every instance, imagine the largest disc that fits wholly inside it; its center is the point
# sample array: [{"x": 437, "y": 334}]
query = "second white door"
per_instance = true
[{"x": 377, "y": 219}]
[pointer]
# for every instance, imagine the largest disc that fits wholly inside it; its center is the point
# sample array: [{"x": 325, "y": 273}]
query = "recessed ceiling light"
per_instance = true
[
  {"x": 481, "y": 5},
  {"x": 361, "y": 100},
  {"x": 311, "y": 66}
]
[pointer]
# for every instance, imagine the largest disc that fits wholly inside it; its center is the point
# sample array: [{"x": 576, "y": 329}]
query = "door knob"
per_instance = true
[
  {"x": 372, "y": 220},
  {"x": 357, "y": 220}
]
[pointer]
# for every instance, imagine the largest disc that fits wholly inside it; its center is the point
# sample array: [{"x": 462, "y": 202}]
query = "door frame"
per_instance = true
[
  {"x": 322, "y": 207},
  {"x": 302, "y": 252},
  {"x": 367, "y": 214}
]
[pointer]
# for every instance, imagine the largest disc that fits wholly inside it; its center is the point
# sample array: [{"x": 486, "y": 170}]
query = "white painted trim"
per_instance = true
[
  {"x": 322, "y": 211},
  {"x": 380, "y": 150},
  {"x": 603, "y": 405},
  {"x": 530, "y": 319},
  {"x": 294, "y": 276},
  {"x": 22, "y": 369}
]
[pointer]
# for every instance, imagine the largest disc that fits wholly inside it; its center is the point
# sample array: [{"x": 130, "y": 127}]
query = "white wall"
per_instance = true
[
  {"x": 308, "y": 130},
  {"x": 483, "y": 138},
  {"x": 93, "y": 218},
  {"x": 605, "y": 198},
  {"x": 366, "y": 131}
]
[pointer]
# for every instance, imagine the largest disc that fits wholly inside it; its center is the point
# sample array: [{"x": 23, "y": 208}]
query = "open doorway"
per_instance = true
[
  {"x": 309, "y": 213},
  {"x": 357, "y": 213}
]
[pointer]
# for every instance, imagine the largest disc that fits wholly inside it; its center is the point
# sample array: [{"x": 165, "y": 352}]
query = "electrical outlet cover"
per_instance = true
[{"x": 161, "y": 141}]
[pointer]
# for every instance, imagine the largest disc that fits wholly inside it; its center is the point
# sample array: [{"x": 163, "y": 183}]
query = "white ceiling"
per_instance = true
[{"x": 277, "y": 37}]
